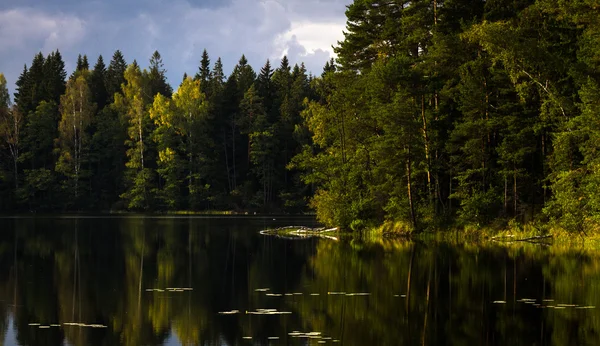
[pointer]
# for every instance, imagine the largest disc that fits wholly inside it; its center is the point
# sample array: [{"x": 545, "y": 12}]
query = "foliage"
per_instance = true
[{"x": 458, "y": 112}]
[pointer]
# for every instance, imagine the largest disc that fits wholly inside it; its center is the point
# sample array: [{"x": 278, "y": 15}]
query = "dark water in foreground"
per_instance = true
[{"x": 101, "y": 271}]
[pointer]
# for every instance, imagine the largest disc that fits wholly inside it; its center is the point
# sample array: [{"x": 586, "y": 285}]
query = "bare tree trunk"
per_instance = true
[
  {"x": 450, "y": 194},
  {"x": 226, "y": 160},
  {"x": 190, "y": 155},
  {"x": 544, "y": 165},
  {"x": 233, "y": 153},
  {"x": 409, "y": 190},
  {"x": 141, "y": 142},
  {"x": 515, "y": 189},
  {"x": 427, "y": 153},
  {"x": 505, "y": 194}
]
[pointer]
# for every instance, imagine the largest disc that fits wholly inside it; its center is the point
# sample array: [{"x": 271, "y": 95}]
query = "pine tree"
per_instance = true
[
  {"x": 203, "y": 74},
  {"x": 244, "y": 75},
  {"x": 156, "y": 75},
  {"x": 219, "y": 174},
  {"x": 97, "y": 84},
  {"x": 373, "y": 30},
  {"x": 41, "y": 128},
  {"x": 21, "y": 95},
  {"x": 54, "y": 77},
  {"x": 107, "y": 157},
  {"x": 39, "y": 189},
  {"x": 82, "y": 63},
  {"x": 30, "y": 89},
  {"x": 115, "y": 75},
  {"x": 261, "y": 146},
  {"x": 328, "y": 68}
]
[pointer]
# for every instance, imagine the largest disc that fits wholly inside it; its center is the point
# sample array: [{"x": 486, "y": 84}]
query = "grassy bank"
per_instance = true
[{"x": 510, "y": 233}]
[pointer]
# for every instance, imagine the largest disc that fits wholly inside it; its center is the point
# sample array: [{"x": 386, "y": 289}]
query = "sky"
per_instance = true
[{"x": 304, "y": 30}]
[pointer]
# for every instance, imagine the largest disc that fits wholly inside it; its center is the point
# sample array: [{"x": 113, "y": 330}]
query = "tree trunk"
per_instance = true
[
  {"x": 409, "y": 190},
  {"x": 226, "y": 160},
  {"x": 233, "y": 159},
  {"x": 431, "y": 197},
  {"x": 515, "y": 189}
]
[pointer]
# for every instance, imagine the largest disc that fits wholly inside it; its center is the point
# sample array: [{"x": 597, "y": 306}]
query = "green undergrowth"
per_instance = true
[{"x": 509, "y": 233}]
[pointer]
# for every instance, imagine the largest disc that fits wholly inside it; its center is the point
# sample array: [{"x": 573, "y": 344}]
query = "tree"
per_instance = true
[
  {"x": 170, "y": 166},
  {"x": 372, "y": 30},
  {"x": 30, "y": 90},
  {"x": 261, "y": 146},
  {"x": 107, "y": 157},
  {"x": 265, "y": 88},
  {"x": 77, "y": 110},
  {"x": 38, "y": 188},
  {"x": 115, "y": 75},
  {"x": 244, "y": 75},
  {"x": 203, "y": 74},
  {"x": 40, "y": 130},
  {"x": 132, "y": 104},
  {"x": 82, "y": 63},
  {"x": 156, "y": 75},
  {"x": 97, "y": 84},
  {"x": 54, "y": 77},
  {"x": 192, "y": 108},
  {"x": 11, "y": 122},
  {"x": 183, "y": 143}
]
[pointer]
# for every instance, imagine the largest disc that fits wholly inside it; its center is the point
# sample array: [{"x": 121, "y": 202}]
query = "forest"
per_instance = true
[{"x": 435, "y": 112}]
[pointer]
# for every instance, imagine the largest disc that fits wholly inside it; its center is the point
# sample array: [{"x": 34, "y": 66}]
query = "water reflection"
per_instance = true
[{"x": 216, "y": 281}]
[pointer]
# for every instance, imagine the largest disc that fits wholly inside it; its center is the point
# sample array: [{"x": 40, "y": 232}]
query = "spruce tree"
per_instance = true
[
  {"x": 97, "y": 80},
  {"x": 21, "y": 96},
  {"x": 115, "y": 75},
  {"x": 156, "y": 75},
  {"x": 54, "y": 77},
  {"x": 203, "y": 74}
]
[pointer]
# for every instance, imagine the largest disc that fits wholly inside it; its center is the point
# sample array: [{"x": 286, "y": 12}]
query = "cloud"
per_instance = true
[
  {"x": 26, "y": 31},
  {"x": 305, "y": 30},
  {"x": 22, "y": 28}
]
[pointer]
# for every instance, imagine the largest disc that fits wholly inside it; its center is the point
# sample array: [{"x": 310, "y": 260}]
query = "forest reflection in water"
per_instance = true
[{"x": 217, "y": 281}]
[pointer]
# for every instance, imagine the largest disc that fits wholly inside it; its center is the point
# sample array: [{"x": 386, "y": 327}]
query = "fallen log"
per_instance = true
[{"x": 511, "y": 238}]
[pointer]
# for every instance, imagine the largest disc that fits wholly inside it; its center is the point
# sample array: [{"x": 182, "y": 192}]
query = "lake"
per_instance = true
[{"x": 217, "y": 281}]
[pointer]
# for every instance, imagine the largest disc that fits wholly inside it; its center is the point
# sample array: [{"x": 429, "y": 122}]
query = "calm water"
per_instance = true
[{"x": 164, "y": 281}]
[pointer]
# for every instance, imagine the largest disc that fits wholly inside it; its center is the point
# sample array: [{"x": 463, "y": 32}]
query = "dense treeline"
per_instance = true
[
  {"x": 435, "y": 111},
  {"x": 118, "y": 137},
  {"x": 460, "y": 110}
]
